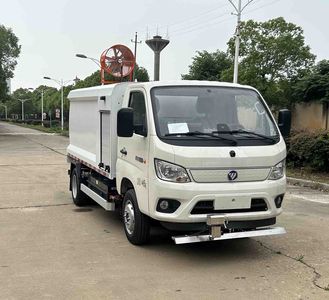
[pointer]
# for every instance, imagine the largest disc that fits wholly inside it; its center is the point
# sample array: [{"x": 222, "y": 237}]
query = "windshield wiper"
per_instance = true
[
  {"x": 242, "y": 131},
  {"x": 200, "y": 134}
]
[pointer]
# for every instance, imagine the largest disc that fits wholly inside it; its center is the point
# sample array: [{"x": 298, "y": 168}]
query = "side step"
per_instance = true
[
  {"x": 101, "y": 201},
  {"x": 186, "y": 239}
]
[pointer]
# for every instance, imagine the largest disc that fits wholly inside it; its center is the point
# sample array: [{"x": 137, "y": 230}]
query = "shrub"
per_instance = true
[
  {"x": 36, "y": 122},
  {"x": 46, "y": 123},
  {"x": 55, "y": 123},
  {"x": 309, "y": 149}
]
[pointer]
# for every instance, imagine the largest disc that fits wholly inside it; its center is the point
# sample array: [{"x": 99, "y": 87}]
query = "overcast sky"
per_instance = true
[{"x": 52, "y": 32}]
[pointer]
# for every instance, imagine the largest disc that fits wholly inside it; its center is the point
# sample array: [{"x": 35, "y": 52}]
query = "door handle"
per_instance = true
[{"x": 123, "y": 151}]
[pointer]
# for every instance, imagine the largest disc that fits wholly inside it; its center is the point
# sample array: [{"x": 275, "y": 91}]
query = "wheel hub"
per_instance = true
[
  {"x": 129, "y": 217},
  {"x": 74, "y": 186}
]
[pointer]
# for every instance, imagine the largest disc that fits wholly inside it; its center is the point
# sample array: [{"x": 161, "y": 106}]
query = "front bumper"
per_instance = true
[
  {"x": 227, "y": 236},
  {"x": 188, "y": 194}
]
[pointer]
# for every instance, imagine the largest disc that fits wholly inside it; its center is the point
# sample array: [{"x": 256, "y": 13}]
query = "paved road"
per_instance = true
[{"x": 51, "y": 249}]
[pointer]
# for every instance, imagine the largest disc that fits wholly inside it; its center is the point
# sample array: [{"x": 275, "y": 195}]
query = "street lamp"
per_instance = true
[
  {"x": 22, "y": 101},
  {"x": 5, "y": 106},
  {"x": 96, "y": 61},
  {"x": 61, "y": 83},
  {"x": 42, "y": 94}
]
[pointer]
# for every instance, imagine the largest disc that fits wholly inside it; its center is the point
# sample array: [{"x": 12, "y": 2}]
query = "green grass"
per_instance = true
[
  {"x": 300, "y": 258},
  {"x": 308, "y": 174}
]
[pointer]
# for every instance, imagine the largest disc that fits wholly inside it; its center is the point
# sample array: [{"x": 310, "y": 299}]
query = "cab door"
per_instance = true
[{"x": 133, "y": 151}]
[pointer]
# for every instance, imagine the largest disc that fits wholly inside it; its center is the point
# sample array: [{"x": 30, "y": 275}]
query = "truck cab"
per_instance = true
[{"x": 201, "y": 157}]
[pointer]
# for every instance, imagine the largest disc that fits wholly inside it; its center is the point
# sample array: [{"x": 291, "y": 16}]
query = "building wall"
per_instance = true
[{"x": 310, "y": 116}]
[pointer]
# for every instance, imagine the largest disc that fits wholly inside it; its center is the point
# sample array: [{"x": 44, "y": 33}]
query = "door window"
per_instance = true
[{"x": 137, "y": 103}]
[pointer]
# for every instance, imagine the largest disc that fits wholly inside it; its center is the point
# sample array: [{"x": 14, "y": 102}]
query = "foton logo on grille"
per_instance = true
[{"x": 232, "y": 175}]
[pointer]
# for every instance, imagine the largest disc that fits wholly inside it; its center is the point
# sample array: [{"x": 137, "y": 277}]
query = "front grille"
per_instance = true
[
  {"x": 207, "y": 207},
  {"x": 221, "y": 175}
]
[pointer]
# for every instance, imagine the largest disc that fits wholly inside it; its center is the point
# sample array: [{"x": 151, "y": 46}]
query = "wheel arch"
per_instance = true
[{"x": 125, "y": 185}]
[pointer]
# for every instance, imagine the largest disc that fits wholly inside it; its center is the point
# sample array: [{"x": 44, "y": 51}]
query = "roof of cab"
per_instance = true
[{"x": 105, "y": 90}]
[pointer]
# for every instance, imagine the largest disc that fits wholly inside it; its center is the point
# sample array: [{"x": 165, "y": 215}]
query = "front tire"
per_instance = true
[
  {"x": 136, "y": 224},
  {"x": 79, "y": 197}
]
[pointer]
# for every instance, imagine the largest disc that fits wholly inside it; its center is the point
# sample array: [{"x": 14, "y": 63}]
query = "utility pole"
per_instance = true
[
  {"x": 239, "y": 9},
  {"x": 61, "y": 83},
  {"x": 62, "y": 104},
  {"x": 42, "y": 96},
  {"x": 135, "y": 53},
  {"x": 42, "y": 92},
  {"x": 22, "y": 101}
]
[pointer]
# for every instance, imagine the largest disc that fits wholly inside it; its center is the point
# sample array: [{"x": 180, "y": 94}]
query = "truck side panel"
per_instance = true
[{"x": 83, "y": 133}]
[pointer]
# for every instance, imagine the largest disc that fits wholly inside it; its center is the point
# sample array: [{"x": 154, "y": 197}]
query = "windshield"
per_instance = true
[{"x": 180, "y": 111}]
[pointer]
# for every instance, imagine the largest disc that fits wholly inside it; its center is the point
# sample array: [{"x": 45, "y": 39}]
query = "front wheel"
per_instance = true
[{"x": 136, "y": 224}]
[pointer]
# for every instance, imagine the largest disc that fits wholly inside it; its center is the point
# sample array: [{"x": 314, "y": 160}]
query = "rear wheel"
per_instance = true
[
  {"x": 79, "y": 197},
  {"x": 136, "y": 224}
]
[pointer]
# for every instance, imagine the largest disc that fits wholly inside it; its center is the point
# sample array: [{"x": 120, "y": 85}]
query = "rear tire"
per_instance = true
[
  {"x": 136, "y": 224},
  {"x": 79, "y": 198}
]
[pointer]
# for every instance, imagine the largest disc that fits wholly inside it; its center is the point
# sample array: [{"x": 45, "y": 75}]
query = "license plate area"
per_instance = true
[{"x": 232, "y": 202}]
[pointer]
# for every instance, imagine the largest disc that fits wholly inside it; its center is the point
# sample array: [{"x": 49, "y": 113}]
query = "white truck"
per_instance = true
[{"x": 205, "y": 159}]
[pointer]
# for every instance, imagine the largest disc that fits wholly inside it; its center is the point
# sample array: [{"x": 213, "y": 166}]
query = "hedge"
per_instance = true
[
  {"x": 309, "y": 149},
  {"x": 46, "y": 123}
]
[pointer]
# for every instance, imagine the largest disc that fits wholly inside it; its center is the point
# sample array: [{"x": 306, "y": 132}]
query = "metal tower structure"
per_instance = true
[{"x": 157, "y": 44}]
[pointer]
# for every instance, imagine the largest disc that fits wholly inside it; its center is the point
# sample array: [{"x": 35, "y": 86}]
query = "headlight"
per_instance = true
[
  {"x": 278, "y": 170},
  {"x": 170, "y": 172}
]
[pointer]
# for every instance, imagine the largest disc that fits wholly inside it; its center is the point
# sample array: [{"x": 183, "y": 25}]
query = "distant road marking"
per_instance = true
[
  {"x": 27, "y": 133},
  {"x": 323, "y": 199}
]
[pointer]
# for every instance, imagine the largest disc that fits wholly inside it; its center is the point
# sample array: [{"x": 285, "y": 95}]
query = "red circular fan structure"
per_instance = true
[{"x": 118, "y": 61}]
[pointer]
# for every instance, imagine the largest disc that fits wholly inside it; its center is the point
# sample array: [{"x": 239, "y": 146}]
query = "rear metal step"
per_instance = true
[
  {"x": 101, "y": 201},
  {"x": 186, "y": 239}
]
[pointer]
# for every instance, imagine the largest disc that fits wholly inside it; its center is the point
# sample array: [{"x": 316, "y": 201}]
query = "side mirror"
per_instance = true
[
  {"x": 125, "y": 125},
  {"x": 284, "y": 122}
]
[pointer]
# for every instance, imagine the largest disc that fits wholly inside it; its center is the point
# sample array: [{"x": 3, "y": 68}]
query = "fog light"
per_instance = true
[
  {"x": 164, "y": 204},
  {"x": 278, "y": 200},
  {"x": 167, "y": 206}
]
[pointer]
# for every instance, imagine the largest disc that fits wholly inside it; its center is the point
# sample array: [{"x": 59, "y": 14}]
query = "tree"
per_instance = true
[
  {"x": 141, "y": 74},
  {"x": 52, "y": 96},
  {"x": 9, "y": 52},
  {"x": 95, "y": 78},
  {"x": 92, "y": 80},
  {"x": 273, "y": 54},
  {"x": 273, "y": 49},
  {"x": 14, "y": 106},
  {"x": 315, "y": 85},
  {"x": 208, "y": 66}
]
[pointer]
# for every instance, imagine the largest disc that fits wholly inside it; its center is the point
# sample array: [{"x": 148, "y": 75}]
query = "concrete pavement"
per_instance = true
[{"x": 51, "y": 249}]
